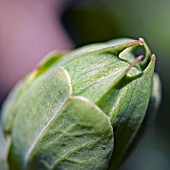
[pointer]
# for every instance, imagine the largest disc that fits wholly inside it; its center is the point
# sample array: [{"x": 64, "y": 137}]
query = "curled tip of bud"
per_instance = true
[
  {"x": 153, "y": 56},
  {"x": 129, "y": 44},
  {"x": 141, "y": 41},
  {"x": 139, "y": 58},
  {"x": 136, "y": 42},
  {"x": 135, "y": 62}
]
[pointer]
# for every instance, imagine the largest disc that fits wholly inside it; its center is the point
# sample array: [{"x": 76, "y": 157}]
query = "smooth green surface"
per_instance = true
[
  {"x": 14, "y": 99},
  {"x": 11, "y": 105},
  {"x": 41, "y": 102},
  {"x": 78, "y": 137}
]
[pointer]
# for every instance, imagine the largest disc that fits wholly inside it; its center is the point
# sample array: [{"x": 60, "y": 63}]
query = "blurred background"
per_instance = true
[{"x": 28, "y": 30}]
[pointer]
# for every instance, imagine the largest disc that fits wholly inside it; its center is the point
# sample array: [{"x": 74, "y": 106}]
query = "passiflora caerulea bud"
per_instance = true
[{"x": 79, "y": 110}]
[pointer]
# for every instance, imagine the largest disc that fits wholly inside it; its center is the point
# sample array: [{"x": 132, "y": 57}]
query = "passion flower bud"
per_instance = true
[{"x": 63, "y": 114}]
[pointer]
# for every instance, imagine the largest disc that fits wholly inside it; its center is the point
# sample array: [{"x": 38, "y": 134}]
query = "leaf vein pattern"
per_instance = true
[
  {"x": 29, "y": 151},
  {"x": 63, "y": 134},
  {"x": 77, "y": 148}
]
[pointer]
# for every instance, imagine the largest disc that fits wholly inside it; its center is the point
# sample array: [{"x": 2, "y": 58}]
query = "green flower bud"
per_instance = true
[{"x": 64, "y": 113}]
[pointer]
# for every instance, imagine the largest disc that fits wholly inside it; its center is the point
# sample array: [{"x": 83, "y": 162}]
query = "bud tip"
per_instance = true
[
  {"x": 153, "y": 56},
  {"x": 135, "y": 62},
  {"x": 141, "y": 41},
  {"x": 139, "y": 58}
]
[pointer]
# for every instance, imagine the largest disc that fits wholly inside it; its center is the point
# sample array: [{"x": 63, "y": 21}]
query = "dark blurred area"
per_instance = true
[{"x": 88, "y": 21}]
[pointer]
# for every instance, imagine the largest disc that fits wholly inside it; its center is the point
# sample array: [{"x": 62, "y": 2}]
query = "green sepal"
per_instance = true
[
  {"x": 93, "y": 47},
  {"x": 92, "y": 125},
  {"x": 78, "y": 137},
  {"x": 14, "y": 99},
  {"x": 42, "y": 100},
  {"x": 129, "y": 110},
  {"x": 90, "y": 67},
  {"x": 12, "y": 104},
  {"x": 48, "y": 62}
]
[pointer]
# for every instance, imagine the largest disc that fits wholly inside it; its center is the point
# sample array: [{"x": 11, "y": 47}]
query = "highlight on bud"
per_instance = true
[{"x": 79, "y": 110}]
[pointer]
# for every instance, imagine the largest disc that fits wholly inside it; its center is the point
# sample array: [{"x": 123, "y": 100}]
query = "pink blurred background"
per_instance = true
[{"x": 28, "y": 31}]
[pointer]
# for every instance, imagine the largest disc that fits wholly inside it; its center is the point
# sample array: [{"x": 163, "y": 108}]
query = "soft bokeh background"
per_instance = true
[
  {"x": 28, "y": 31},
  {"x": 37, "y": 26}
]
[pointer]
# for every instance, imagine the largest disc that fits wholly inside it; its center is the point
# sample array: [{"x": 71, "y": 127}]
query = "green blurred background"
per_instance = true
[{"x": 89, "y": 21}]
